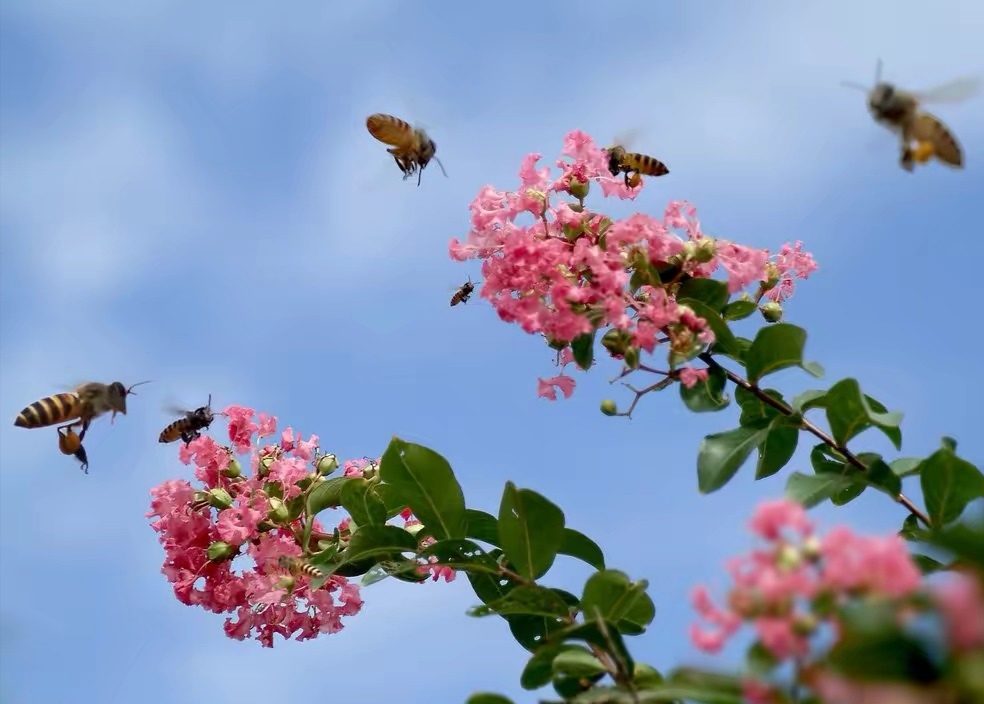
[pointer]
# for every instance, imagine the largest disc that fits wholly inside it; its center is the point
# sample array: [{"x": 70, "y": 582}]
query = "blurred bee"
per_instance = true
[
  {"x": 298, "y": 566},
  {"x": 621, "y": 161},
  {"x": 900, "y": 111},
  {"x": 463, "y": 293},
  {"x": 411, "y": 148},
  {"x": 191, "y": 426},
  {"x": 71, "y": 444},
  {"x": 79, "y": 407}
]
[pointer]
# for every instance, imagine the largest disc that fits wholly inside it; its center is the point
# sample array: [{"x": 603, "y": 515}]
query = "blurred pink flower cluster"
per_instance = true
[
  {"x": 567, "y": 271},
  {"x": 791, "y": 587},
  {"x": 237, "y": 514}
]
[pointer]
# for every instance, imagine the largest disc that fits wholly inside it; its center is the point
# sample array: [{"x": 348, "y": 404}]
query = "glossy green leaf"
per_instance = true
[
  {"x": 379, "y": 542},
  {"x": 756, "y": 411},
  {"x": 575, "y": 544},
  {"x": 539, "y": 668},
  {"x": 532, "y": 600},
  {"x": 582, "y": 348},
  {"x": 808, "y": 400},
  {"x": 963, "y": 540},
  {"x": 949, "y": 483},
  {"x": 488, "y": 698},
  {"x": 724, "y": 338},
  {"x": 775, "y": 347},
  {"x": 811, "y": 490},
  {"x": 328, "y": 494},
  {"x": 708, "y": 394},
  {"x": 739, "y": 310},
  {"x": 611, "y": 594},
  {"x": 531, "y": 530},
  {"x": 532, "y": 632},
  {"x": 779, "y": 446},
  {"x": 363, "y": 504},
  {"x": 826, "y": 460},
  {"x": 721, "y": 455},
  {"x": 912, "y": 530},
  {"x": 905, "y": 466},
  {"x": 428, "y": 484},
  {"x": 711, "y": 292},
  {"x": 927, "y": 564},
  {"x": 601, "y": 634},
  {"x": 849, "y": 412},
  {"x": 577, "y": 662},
  {"x": 391, "y": 498},
  {"x": 482, "y": 526},
  {"x": 884, "y": 654}
]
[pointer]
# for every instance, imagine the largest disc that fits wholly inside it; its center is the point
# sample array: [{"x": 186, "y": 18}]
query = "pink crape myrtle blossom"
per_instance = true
[
  {"x": 232, "y": 514},
  {"x": 556, "y": 268}
]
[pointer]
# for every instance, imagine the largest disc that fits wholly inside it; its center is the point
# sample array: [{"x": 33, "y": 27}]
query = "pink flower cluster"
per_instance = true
[
  {"x": 234, "y": 515},
  {"x": 567, "y": 271},
  {"x": 777, "y": 589}
]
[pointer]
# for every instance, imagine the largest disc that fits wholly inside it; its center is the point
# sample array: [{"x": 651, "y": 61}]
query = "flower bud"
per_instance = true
[
  {"x": 219, "y": 551},
  {"x": 327, "y": 464},
  {"x": 578, "y": 188},
  {"x": 772, "y": 276},
  {"x": 771, "y": 311},
  {"x": 219, "y": 498},
  {"x": 233, "y": 469},
  {"x": 285, "y": 582},
  {"x": 689, "y": 250},
  {"x": 632, "y": 357},
  {"x": 264, "y": 466},
  {"x": 788, "y": 558},
  {"x": 279, "y": 513},
  {"x": 576, "y": 207},
  {"x": 706, "y": 249},
  {"x": 608, "y": 407},
  {"x": 616, "y": 341},
  {"x": 810, "y": 548}
]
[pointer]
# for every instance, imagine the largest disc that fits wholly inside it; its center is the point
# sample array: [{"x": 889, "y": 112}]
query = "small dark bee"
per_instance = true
[
  {"x": 621, "y": 161},
  {"x": 191, "y": 426},
  {"x": 463, "y": 293},
  {"x": 298, "y": 566}
]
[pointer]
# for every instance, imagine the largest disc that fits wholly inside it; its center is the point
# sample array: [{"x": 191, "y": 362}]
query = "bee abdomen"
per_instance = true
[
  {"x": 171, "y": 432},
  {"x": 48, "y": 411}
]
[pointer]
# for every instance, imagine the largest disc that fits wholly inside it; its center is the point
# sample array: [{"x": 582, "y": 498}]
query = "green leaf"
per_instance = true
[
  {"x": 721, "y": 455},
  {"x": 878, "y": 474},
  {"x": 611, "y": 594},
  {"x": 391, "y": 498},
  {"x": 539, "y": 668},
  {"x": 739, "y": 310},
  {"x": 949, "y": 483},
  {"x": 428, "y": 485},
  {"x": 760, "y": 660},
  {"x": 482, "y": 526},
  {"x": 779, "y": 446},
  {"x": 577, "y": 662},
  {"x": 708, "y": 394},
  {"x": 362, "y": 503},
  {"x": 963, "y": 540},
  {"x": 775, "y": 347},
  {"x": 533, "y": 600},
  {"x": 905, "y": 466},
  {"x": 379, "y": 542},
  {"x": 883, "y": 654},
  {"x": 582, "y": 547},
  {"x": 328, "y": 494},
  {"x": 826, "y": 460},
  {"x": 488, "y": 698},
  {"x": 710, "y": 292},
  {"x": 603, "y": 635},
  {"x": 531, "y": 530},
  {"x": 754, "y": 410},
  {"x": 926, "y": 564},
  {"x": 724, "y": 338},
  {"x": 532, "y": 632},
  {"x": 807, "y": 400},
  {"x": 811, "y": 490},
  {"x": 582, "y": 347},
  {"x": 912, "y": 530},
  {"x": 849, "y": 412}
]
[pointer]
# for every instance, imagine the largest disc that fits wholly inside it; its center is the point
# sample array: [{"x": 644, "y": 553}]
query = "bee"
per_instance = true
[
  {"x": 298, "y": 566},
  {"x": 71, "y": 444},
  {"x": 621, "y": 161},
  {"x": 79, "y": 407},
  {"x": 411, "y": 148},
  {"x": 901, "y": 112},
  {"x": 463, "y": 293},
  {"x": 191, "y": 426}
]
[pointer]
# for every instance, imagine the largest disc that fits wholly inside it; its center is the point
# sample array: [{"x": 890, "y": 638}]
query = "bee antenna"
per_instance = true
[
  {"x": 857, "y": 86},
  {"x": 131, "y": 391},
  {"x": 209, "y": 404},
  {"x": 442, "y": 167}
]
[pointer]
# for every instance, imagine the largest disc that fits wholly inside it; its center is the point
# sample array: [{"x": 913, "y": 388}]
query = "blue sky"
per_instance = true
[{"x": 189, "y": 195}]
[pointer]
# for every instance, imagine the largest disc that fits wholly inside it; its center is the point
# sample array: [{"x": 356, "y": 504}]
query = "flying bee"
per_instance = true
[
  {"x": 298, "y": 566},
  {"x": 71, "y": 444},
  {"x": 411, "y": 148},
  {"x": 622, "y": 161},
  {"x": 463, "y": 293},
  {"x": 901, "y": 112},
  {"x": 79, "y": 407},
  {"x": 191, "y": 426}
]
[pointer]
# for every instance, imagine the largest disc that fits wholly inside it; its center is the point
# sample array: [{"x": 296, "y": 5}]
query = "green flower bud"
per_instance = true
[
  {"x": 264, "y": 466},
  {"x": 616, "y": 341},
  {"x": 233, "y": 469},
  {"x": 576, "y": 207},
  {"x": 772, "y": 276},
  {"x": 577, "y": 188},
  {"x": 327, "y": 464},
  {"x": 608, "y": 407},
  {"x": 219, "y": 551},
  {"x": 219, "y": 498},
  {"x": 706, "y": 249},
  {"x": 771, "y": 311},
  {"x": 631, "y": 358},
  {"x": 279, "y": 513}
]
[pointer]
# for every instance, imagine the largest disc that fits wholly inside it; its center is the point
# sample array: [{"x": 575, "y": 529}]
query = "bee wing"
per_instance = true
[
  {"x": 955, "y": 91},
  {"x": 630, "y": 137},
  {"x": 929, "y": 128}
]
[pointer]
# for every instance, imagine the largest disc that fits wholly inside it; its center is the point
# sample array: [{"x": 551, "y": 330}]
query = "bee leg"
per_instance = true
[
  {"x": 85, "y": 429},
  {"x": 82, "y": 457},
  {"x": 907, "y": 160}
]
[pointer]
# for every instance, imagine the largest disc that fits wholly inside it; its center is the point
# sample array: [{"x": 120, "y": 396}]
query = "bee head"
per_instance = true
[
  {"x": 118, "y": 394},
  {"x": 204, "y": 414},
  {"x": 881, "y": 96},
  {"x": 615, "y": 154}
]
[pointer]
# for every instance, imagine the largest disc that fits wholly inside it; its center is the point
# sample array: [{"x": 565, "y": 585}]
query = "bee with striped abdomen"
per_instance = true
[
  {"x": 622, "y": 161},
  {"x": 410, "y": 146},
  {"x": 79, "y": 407},
  {"x": 463, "y": 293},
  {"x": 298, "y": 566},
  {"x": 191, "y": 426},
  {"x": 900, "y": 111}
]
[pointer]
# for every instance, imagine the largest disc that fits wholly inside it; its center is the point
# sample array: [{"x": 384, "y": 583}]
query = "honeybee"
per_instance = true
[
  {"x": 298, "y": 566},
  {"x": 411, "y": 148},
  {"x": 900, "y": 111},
  {"x": 463, "y": 293},
  {"x": 79, "y": 407},
  {"x": 191, "y": 426},
  {"x": 622, "y": 161}
]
